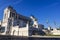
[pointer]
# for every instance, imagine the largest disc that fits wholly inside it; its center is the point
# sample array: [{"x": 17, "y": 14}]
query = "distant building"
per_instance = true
[{"x": 55, "y": 32}]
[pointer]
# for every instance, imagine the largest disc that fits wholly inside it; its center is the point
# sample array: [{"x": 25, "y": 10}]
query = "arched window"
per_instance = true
[
  {"x": 4, "y": 15},
  {"x": 13, "y": 32},
  {"x": 2, "y": 29}
]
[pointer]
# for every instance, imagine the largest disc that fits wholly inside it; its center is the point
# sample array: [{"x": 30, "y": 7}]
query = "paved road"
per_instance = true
[
  {"x": 45, "y": 36},
  {"x": 8, "y": 37}
]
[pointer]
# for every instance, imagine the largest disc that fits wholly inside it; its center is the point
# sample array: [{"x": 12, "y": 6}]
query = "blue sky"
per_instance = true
[{"x": 42, "y": 9}]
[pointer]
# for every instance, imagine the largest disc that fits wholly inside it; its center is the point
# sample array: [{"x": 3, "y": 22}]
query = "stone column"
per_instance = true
[{"x": 27, "y": 25}]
